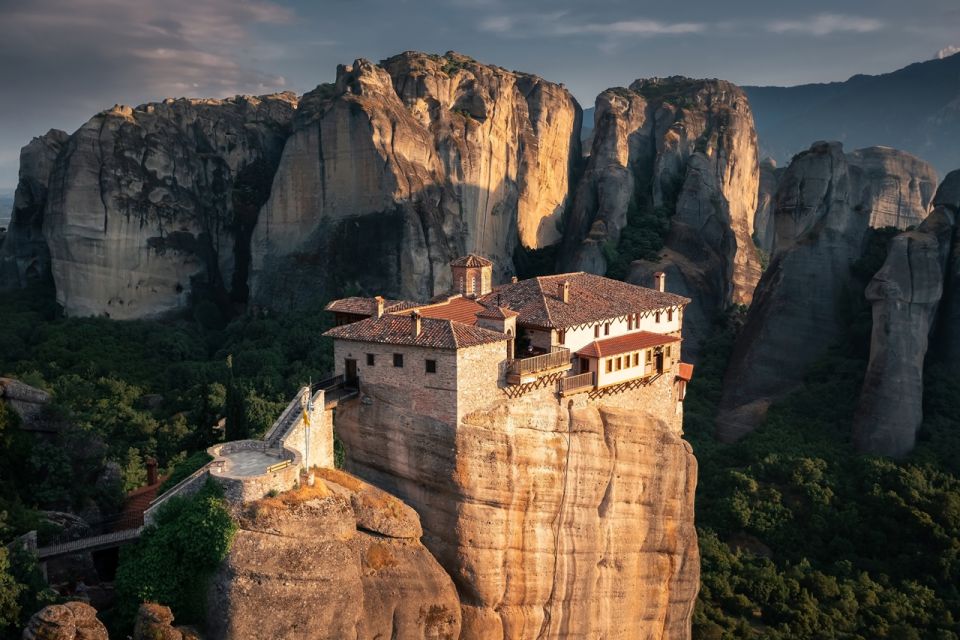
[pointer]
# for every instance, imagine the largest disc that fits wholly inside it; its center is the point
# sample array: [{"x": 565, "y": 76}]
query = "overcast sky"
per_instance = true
[{"x": 61, "y": 61}]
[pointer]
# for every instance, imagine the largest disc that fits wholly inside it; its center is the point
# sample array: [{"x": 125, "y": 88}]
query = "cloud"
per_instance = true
[
  {"x": 947, "y": 51},
  {"x": 825, "y": 24},
  {"x": 561, "y": 24}
]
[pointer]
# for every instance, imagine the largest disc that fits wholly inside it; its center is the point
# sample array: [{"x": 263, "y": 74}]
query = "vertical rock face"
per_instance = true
[
  {"x": 948, "y": 337},
  {"x": 401, "y": 166},
  {"x": 905, "y": 295},
  {"x": 763, "y": 230},
  {"x": 687, "y": 146},
  {"x": 145, "y": 204},
  {"x": 24, "y": 256},
  {"x": 554, "y": 520},
  {"x": 826, "y": 204},
  {"x": 338, "y": 560}
]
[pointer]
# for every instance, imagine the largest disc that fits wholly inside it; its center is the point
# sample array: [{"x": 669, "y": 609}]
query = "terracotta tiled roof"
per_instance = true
[
  {"x": 471, "y": 260},
  {"x": 135, "y": 503},
  {"x": 497, "y": 313},
  {"x": 686, "y": 372},
  {"x": 434, "y": 333},
  {"x": 366, "y": 306},
  {"x": 626, "y": 343},
  {"x": 591, "y": 298},
  {"x": 457, "y": 308}
]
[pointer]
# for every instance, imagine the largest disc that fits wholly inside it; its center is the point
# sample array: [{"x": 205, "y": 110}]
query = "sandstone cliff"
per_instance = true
[
  {"x": 554, "y": 521},
  {"x": 338, "y": 560},
  {"x": 826, "y": 204},
  {"x": 763, "y": 230},
  {"x": 24, "y": 257},
  {"x": 687, "y": 148},
  {"x": 906, "y": 294},
  {"x": 399, "y": 167},
  {"x": 146, "y": 205}
]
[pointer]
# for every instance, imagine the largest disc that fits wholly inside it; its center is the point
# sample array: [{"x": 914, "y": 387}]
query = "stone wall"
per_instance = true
[
  {"x": 241, "y": 489},
  {"x": 320, "y": 452}
]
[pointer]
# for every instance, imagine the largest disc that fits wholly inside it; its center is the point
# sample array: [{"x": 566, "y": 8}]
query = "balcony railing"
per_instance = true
[
  {"x": 575, "y": 384},
  {"x": 559, "y": 357}
]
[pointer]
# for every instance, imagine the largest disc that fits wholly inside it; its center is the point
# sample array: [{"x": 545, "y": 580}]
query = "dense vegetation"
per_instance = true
[
  {"x": 175, "y": 557},
  {"x": 126, "y": 391},
  {"x": 802, "y": 537}
]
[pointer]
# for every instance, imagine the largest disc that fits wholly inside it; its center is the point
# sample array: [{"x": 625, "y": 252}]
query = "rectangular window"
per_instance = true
[
  {"x": 609, "y": 365},
  {"x": 370, "y": 359},
  {"x": 636, "y": 359},
  {"x": 431, "y": 366},
  {"x": 561, "y": 336},
  {"x": 606, "y": 329},
  {"x": 596, "y": 331},
  {"x": 668, "y": 352},
  {"x": 398, "y": 359},
  {"x": 630, "y": 322},
  {"x": 669, "y": 315},
  {"x": 619, "y": 363},
  {"x": 649, "y": 356},
  {"x": 657, "y": 317}
]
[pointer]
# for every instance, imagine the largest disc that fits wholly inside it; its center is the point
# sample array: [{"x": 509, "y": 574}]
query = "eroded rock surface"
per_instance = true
[
  {"x": 684, "y": 145},
  {"x": 341, "y": 559},
  {"x": 554, "y": 521},
  {"x": 24, "y": 257},
  {"x": 763, "y": 229},
  {"x": 905, "y": 294},
  {"x": 401, "y": 166},
  {"x": 146, "y": 205},
  {"x": 70, "y": 621},
  {"x": 826, "y": 204}
]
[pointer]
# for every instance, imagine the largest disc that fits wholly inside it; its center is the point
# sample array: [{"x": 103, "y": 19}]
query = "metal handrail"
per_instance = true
[{"x": 557, "y": 358}]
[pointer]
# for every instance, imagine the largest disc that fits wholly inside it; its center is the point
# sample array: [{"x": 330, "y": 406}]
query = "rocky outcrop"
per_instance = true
[
  {"x": 155, "y": 622},
  {"x": 682, "y": 148},
  {"x": 147, "y": 205},
  {"x": 30, "y": 403},
  {"x": 70, "y": 621},
  {"x": 340, "y": 559},
  {"x": 763, "y": 229},
  {"x": 554, "y": 521},
  {"x": 399, "y": 167},
  {"x": 24, "y": 257},
  {"x": 826, "y": 205},
  {"x": 905, "y": 295}
]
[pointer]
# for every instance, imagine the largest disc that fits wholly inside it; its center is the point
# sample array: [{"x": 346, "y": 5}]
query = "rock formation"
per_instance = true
[
  {"x": 147, "y": 205},
  {"x": 399, "y": 167},
  {"x": 24, "y": 257},
  {"x": 763, "y": 230},
  {"x": 905, "y": 295},
  {"x": 155, "y": 622},
  {"x": 554, "y": 521},
  {"x": 70, "y": 621},
  {"x": 825, "y": 206},
  {"x": 686, "y": 147},
  {"x": 341, "y": 559}
]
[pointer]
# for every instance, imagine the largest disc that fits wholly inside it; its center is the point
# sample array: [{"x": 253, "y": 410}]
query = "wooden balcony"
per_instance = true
[
  {"x": 520, "y": 370},
  {"x": 579, "y": 383}
]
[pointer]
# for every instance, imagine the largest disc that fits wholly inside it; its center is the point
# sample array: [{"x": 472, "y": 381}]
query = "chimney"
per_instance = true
[
  {"x": 660, "y": 281},
  {"x": 563, "y": 290},
  {"x": 415, "y": 328},
  {"x": 379, "y": 300},
  {"x": 151, "y": 472}
]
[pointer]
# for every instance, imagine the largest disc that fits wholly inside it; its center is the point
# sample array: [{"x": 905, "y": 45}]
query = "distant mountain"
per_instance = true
[
  {"x": 916, "y": 109},
  {"x": 6, "y": 206},
  {"x": 586, "y": 128}
]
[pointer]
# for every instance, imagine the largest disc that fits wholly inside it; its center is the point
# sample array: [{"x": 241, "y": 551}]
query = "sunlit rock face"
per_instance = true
[
  {"x": 906, "y": 295},
  {"x": 554, "y": 520},
  {"x": 826, "y": 204},
  {"x": 341, "y": 559},
  {"x": 147, "y": 205},
  {"x": 688, "y": 146},
  {"x": 401, "y": 166}
]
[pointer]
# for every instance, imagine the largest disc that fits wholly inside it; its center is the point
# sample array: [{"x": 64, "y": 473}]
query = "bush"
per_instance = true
[{"x": 174, "y": 559}]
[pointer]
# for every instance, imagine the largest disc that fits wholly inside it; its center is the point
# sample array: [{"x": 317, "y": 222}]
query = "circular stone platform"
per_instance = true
[{"x": 248, "y": 463}]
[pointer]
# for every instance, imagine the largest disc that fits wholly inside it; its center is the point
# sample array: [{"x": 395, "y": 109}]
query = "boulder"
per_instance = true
[
  {"x": 70, "y": 621},
  {"x": 826, "y": 204}
]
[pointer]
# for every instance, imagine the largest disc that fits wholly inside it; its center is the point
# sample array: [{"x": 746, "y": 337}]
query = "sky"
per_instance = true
[{"x": 62, "y": 61}]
